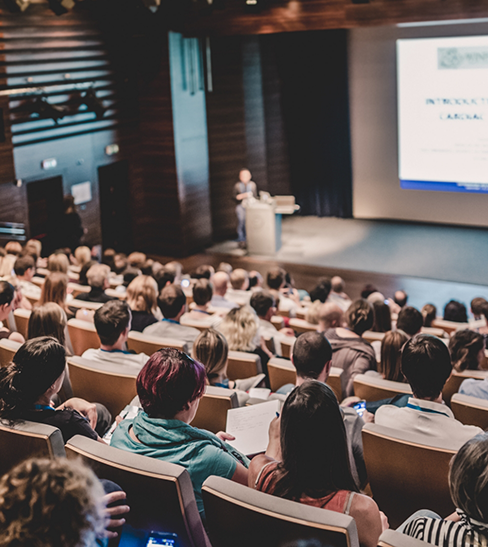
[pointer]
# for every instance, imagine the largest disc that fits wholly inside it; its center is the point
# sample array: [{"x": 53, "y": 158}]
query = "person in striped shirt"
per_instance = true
[{"x": 468, "y": 483}]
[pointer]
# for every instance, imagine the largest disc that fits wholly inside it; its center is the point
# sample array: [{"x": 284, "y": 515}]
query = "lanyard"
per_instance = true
[
  {"x": 44, "y": 407},
  {"x": 170, "y": 321},
  {"x": 428, "y": 410}
]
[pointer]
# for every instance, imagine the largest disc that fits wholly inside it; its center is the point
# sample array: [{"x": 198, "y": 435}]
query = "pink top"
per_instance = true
[{"x": 339, "y": 501}]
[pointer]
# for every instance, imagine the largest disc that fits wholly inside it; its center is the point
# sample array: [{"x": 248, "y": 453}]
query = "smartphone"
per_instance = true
[
  {"x": 162, "y": 538},
  {"x": 360, "y": 408},
  {"x": 185, "y": 283}
]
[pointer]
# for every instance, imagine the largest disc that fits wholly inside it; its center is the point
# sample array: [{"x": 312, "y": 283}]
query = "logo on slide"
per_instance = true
[{"x": 462, "y": 57}]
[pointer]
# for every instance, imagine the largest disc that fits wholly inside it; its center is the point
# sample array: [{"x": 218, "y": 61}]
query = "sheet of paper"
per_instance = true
[
  {"x": 250, "y": 424},
  {"x": 259, "y": 393}
]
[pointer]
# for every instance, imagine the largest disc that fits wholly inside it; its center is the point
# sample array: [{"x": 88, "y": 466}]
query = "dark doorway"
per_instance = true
[
  {"x": 113, "y": 182},
  {"x": 45, "y": 204}
]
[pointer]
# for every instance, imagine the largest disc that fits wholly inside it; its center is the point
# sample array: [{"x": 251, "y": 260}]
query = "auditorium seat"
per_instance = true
[
  {"x": 440, "y": 333},
  {"x": 301, "y": 313},
  {"x": 83, "y": 336},
  {"x": 371, "y": 336},
  {"x": 241, "y": 364},
  {"x": 160, "y": 494},
  {"x": 300, "y": 325},
  {"x": 143, "y": 343},
  {"x": 277, "y": 321},
  {"x": 212, "y": 409},
  {"x": 80, "y": 304},
  {"x": 195, "y": 324},
  {"x": 101, "y": 383},
  {"x": 28, "y": 440},
  {"x": 371, "y": 388},
  {"x": 116, "y": 294},
  {"x": 8, "y": 348},
  {"x": 77, "y": 289},
  {"x": 39, "y": 281},
  {"x": 22, "y": 321},
  {"x": 392, "y": 538},
  {"x": 457, "y": 378},
  {"x": 449, "y": 326},
  {"x": 405, "y": 474},
  {"x": 470, "y": 410},
  {"x": 241, "y": 516},
  {"x": 287, "y": 343}
]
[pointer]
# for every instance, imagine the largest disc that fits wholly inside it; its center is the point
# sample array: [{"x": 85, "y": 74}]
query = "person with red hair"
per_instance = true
[{"x": 170, "y": 387}]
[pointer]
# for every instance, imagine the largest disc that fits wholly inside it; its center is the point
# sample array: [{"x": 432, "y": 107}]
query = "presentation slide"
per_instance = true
[{"x": 442, "y": 100}]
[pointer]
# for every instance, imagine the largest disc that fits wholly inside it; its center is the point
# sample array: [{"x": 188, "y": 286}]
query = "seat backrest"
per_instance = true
[
  {"x": 160, "y": 494},
  {"x": 371, "y": 388},
  {"x": 287, "y": 343},
  {"x": 449, "y": 326},
  {"x": 101, "y": 383},
  {"x": 80, "y": 304},
  {"x": 116, "y": 294},
  {"x": 241, "y": 516},
  {"x": 212, "y": 409},
  {"x": 405, "y": 474},
  {"x": 243, "y": 365},
  {"x": 434, "y": 331},
  {"x": 456, "y": 379},
  {"x": 281, "y": 372},
  {"x": 8, "y": 349},
  {"x": 83, "y": 335},
  {"x": 334, "y": 381},
  {"x": 371, "y": 336},
  {"x": 300, "y": 325},
  {"x": 470, "y": 410},
  {"x": 392, "y": 538},
  {"x": 22, "y": 321},
  {"x": 142, "y": 343},
  {"x": 77, "y": 289},
  {"x": 277, "y": 321},
  {"x": 195, "y": 324},
  {"x": 28, "y": 440}
]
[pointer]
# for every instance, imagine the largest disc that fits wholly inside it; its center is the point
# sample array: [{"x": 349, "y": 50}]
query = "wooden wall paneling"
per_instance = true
[
  {"x": 276, "y": 140},
  {"x": 7, "y": 171},
  {"x": 226, "y": 132}
]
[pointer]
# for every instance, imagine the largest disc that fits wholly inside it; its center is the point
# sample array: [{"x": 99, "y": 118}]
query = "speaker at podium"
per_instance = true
[{"x": 263, "y": 222}]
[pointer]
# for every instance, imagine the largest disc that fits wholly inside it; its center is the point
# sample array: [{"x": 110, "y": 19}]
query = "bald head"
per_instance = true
[
  {"x": 330, "y": 316},
  {"x": 220, "y": 281}
]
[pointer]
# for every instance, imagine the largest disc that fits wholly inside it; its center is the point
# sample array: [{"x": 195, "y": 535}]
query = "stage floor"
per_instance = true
[{"x": 433, "y": 263}]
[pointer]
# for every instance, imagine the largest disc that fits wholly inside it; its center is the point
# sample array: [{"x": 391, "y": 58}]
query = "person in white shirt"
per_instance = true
[
  {"x": 426, "y": 364},
  {"x": 331, "y": 316},
  {"x": 264, "y": 305},
  {"x": 238, "y": 293},
  {"x": 172, "y": 303},
  {"x": 337, "y": 295},
  {"x": 202, "y": 295},
  {"x": 25, "y": 269},
  {"x": 113, "y": 322},
  {"x": 220, "y": 282}
]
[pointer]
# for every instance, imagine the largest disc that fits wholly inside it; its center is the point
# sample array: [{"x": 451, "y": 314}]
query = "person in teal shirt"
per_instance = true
[{"x": 170, "y": 387}]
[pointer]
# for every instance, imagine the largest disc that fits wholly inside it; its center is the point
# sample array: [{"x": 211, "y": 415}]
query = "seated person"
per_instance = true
[
  {"x": 172, "y": 303},
  {"x": 477, "y": 305},
  {"x": 311, "y": 468},
  {"x": 83, "y": 280},
  {"x": 240, "y": 328},
  {"x": 137, "y": 260},
  {"x": 25, "y": 269},
  {"x": 7, "y": 304},
  {"x": 212, "y": 350},
  {"x": 256, "y": 281},
  {"x": 337, "y": 295},
  {"x": 219, "y": 285},
  {"x": 97, "y": 277},
  {"x": 312, "y": 358},
  {"x": 58, "y": 262},
  {"x": 170, "y": 387},
  {"x": 204, "y": 271},
  {"x": 426, "y": 364},
  {"x": 410, "y": 321},
  {"x": 321, "y": 291},
  {"x": 467, "y": 350},
  {"x": 312, "y": 314},
  {"x": 264, "y": 304},
  {"x": 389, "y": 366},
  {"x": 202, "y": 295},
  {"x": 400, "y": 298},
  {"x": 468, "y": 486},
  {"x": 142, "y": 297},
  {"x": 455, "y": 311},
  {"x": 55, "y": 289},
  {"x": 429, "y": 313},
  {"x": 288, "y": 300},
  {"x": 382, "y": 317},
  {"x": 331, "y": 316},
  {"x": 351, "y": 353},
  {"x": 29, "y": 383},
  {"x": 239, "y": 283},
  {"x": 112, "y": 322},
  {"x": 82, "y": 255}
]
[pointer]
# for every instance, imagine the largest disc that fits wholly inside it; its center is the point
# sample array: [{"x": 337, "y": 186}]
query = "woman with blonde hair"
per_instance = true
[
  {"x": 55, "y": 289},
  {"x": 240, "y": 328},
  {"x": 211, "y": 349},
  {"x": 58, "y": 263},
  {"x": 142, "y": 297},
  {"x": 82, "y": 255}
]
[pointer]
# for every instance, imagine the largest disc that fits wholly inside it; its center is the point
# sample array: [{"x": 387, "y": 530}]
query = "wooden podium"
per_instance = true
[{"x": 263, "y": 223}]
